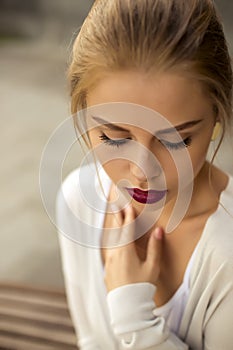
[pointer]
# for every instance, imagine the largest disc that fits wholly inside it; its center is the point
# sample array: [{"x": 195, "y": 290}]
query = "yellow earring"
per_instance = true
[{"x": 216, "y": 132}]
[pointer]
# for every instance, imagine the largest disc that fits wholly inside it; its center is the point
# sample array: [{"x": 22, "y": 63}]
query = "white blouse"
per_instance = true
[
  {"x": 126, "y": 317},
  {"x": 173, "y": 310}
]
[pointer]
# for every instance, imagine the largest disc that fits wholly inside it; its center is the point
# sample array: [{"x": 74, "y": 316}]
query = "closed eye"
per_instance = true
[
  {"x": 177, "y": 145},
  {"x": 113, "y": 142},
  {"x": 169, "y": 145}
]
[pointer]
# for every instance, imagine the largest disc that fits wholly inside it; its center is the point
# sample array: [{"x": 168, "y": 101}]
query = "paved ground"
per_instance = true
[{"x": 33, "y": 102}]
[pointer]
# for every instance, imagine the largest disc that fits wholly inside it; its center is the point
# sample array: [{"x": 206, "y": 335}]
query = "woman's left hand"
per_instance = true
[{"x": 123, "y": 265}]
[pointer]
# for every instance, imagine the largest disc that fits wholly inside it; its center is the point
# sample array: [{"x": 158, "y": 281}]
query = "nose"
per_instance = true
[{"x": 145, "y": 166}]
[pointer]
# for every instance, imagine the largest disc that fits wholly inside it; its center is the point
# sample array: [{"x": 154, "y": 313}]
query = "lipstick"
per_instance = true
[{"x": 146, "y": 197}]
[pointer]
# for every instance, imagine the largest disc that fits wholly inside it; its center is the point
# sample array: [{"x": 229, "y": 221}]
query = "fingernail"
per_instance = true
[{"x": 158, "y": 233}]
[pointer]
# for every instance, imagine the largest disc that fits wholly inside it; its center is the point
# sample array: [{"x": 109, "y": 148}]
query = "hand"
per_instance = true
[{"x": 123, "y": 265}]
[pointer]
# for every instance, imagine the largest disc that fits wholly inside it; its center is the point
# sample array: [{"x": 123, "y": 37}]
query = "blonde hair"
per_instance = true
[{"x": 152, "y": 35}]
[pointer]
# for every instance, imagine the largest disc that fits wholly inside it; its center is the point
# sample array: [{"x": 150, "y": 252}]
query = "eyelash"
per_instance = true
[
  {"x": 113, "y": 143},
  {"x": 173, "y": 146},
  {"x": 176, "y": 146}
]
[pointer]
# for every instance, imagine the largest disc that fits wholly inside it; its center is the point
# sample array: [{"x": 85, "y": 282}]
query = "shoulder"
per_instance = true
[
  {"x": 215, "y": 251},
  {"x": 75, "y": 221},
  {"x": 80, "y": 205},
  {"x": 78, "y": 177},
  {"x": 227, "y": 195},
  {"x": 76, "y": 187},
  {"x": 222, "y": 219},
  {"x": 88, "y": 183},
  {"x": 221, "y": 226},
  {"x": 221, "y": 223},
  {"x": 75, "y": 197}
]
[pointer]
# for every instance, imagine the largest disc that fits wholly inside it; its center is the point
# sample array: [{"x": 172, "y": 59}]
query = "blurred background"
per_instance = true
[{"x": 35, "y": 42}]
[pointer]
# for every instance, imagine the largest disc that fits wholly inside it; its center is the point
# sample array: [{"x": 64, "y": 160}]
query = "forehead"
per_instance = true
[
  {"x": 125, "y": 115},
  {"x": 175, "y": 97},
  {"x": 135, "y": 97}
]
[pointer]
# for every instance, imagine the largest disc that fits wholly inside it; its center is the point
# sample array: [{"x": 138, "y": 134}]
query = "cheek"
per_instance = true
[
  {"x": 198, "y": 161},
  {"x": 198, "y": 155},
  {"x": 169, "y": 166}
]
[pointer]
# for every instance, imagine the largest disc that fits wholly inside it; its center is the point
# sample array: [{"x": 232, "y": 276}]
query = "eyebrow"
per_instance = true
[
  {"x": 164, "y": 131},
  {"x": 109, "y": 125},
  {"x": 180, "y": 127}
]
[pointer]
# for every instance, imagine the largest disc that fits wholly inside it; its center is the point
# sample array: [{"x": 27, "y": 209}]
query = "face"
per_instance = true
[{"x": 185, "y": 106}]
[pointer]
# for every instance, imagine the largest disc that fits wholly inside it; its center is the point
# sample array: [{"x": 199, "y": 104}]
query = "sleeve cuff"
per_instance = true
[
  {"x": 133, "y": 321},
  {"x": 131, "y": 307}
]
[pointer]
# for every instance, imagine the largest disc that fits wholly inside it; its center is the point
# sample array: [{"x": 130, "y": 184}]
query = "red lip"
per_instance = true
[{"x": 146, "y": 197}]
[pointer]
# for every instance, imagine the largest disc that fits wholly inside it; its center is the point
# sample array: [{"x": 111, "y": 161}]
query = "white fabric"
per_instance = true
[
  {"x": 207, "y": 283},
  {"x": 173, "y": 310}
]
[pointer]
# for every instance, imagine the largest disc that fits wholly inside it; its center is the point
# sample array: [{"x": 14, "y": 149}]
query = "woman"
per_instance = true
[{"x": 147, "y": 227}]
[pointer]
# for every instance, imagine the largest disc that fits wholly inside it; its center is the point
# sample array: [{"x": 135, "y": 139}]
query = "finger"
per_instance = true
[
  {"x": 117, "y": 220},
  {"x": 154, "y": 248},
  {"x": 121, "y": 236},
  {"x": 112, "y": 232},
  {"x": 128, "y": 229},
  {"x": 129, "y": 215}
]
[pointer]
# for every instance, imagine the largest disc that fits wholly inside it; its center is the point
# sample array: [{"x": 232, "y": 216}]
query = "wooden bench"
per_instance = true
[{"x": 34, "y": 319}]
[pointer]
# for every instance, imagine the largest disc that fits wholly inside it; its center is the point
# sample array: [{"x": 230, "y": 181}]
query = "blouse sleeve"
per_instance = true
[
  {"x": 85, "y": 340},
  {"x": 134, "y": 323},
  {"x": 71, "y": 269},
  {"x": 76, "y": 297}
]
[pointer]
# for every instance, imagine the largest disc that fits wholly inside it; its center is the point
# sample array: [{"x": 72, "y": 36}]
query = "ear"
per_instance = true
[{"x": 217, "y": 130}]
